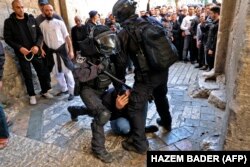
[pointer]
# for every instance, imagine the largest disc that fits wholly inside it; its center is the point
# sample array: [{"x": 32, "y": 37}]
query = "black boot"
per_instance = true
[
  {"x": 75, "y": 111},
  {"x": 129, "y": 146},
  {"x": 166, "y": 125},
  {"x": 151, "y": 129},
  {"x": 98, "y": 143},
  {"x": 104, "y": 156}
]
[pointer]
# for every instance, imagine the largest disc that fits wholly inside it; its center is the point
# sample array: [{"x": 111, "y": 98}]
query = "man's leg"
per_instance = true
[
  {"x": 70, "y": 84},
  {"x": 27, "y": 74},
  {"x": 120, "y": 126},
  {"x": 38, "y": 64},
  {"x": 186, "y": 47},
  {"x": 61, "y": 82},
  {"x": 162, "y": 106},
  {"x": 137, "y": 101},
  {"x": 101, "y": 116}
]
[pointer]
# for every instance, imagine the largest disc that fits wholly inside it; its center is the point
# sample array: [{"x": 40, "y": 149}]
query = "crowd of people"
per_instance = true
[{"x": 45, "y": 43}]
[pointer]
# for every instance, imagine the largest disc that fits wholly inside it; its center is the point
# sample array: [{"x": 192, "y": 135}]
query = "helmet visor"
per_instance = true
[{"x": 108, "y": 43}]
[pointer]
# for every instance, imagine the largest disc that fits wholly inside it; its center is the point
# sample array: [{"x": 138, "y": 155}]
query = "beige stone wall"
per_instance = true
[
  {"x": 238, "y": 79},
  {"x": 79, "y": 7}
]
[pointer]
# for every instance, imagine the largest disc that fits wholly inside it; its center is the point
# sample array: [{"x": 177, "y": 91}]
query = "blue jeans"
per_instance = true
[
  {"x": 4, "y": 133},
  {"x": 121, "y": 126}
]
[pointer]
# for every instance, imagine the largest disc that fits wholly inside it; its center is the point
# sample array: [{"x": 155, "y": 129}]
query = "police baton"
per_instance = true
[{"x": 113, "y": 77}]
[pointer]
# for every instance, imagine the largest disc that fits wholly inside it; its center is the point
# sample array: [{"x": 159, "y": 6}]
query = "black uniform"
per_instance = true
[
  {"x": 91, "y": 84},
  {"x": 147, "y": 81}
]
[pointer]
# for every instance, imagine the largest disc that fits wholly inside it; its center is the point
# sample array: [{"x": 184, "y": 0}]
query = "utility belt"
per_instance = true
[{"x": 100, "y": 83}]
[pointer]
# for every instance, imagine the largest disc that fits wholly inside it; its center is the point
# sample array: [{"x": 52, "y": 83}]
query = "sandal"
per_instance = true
[{"x": 3, "y": 143}]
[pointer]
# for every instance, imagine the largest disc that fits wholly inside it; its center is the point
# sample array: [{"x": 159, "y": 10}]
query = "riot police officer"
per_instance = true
[
  {"x": 91, "y": 83},
  {"x": 148, "y": 82}
]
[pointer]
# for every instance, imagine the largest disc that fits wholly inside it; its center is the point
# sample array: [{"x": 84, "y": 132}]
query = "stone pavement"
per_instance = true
[{"x": 44, "y": 135}]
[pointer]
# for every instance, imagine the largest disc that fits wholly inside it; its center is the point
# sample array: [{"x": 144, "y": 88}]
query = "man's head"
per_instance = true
[
  {"x": 184, "y": 10},
  {"x": 18, "y": 8},
  {"x": 48, "y": 11},
  {"x": 142, "y": 13},
  {"x": 41, "y": 4},
  {"x": 174, "y": 17},
  {"x": 123, "y": 9},
  {"x": 215, "y": 13},
  {"x": 78, "y": 20},
  {"x": 190, "y": 10},
  {"x": 94, "y": 16},
  {"x": 202, "y": 17},
  {"x": 152, "y": 11}
]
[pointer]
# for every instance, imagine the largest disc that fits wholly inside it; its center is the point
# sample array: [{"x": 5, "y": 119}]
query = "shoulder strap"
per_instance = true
[{"x": 134, "y": 39}]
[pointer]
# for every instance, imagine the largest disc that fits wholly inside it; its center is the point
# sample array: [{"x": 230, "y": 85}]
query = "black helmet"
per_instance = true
[
  {"x": 123, "y": 9},
  {"x": 106, "y": 41}
]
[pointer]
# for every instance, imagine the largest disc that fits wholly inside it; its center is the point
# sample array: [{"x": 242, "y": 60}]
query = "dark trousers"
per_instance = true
[
  {"x": 210, "y": 61},
  {"x": 155, "y": 84},
  {"x": 93, "y": 102},
  {"x": 4, "y": 133},
  {"x": 189, "y": 45},
  {"x": 40, "y": 69},
  {"x": 201, "y": 56},
  {"x": 178, "y": 43}
]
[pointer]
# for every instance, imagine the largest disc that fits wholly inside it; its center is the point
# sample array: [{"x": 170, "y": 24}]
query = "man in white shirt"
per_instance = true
[
  {"x": 55, "y": 36},
  {"x": 186, "y": 26}
]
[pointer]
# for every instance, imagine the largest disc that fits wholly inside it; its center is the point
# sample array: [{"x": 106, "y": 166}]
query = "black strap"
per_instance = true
[{"x": 135, "y": 40}]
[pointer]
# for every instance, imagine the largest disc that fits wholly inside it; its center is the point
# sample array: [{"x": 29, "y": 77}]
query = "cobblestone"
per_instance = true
[{"x": 67, "y": 143}]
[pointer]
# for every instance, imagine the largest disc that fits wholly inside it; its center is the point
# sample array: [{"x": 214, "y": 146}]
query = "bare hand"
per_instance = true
[
  {"x": 34, "y": 50},
  {"x": 210, "y": 52},
  {"x": 43, "y": 54},
  {"x": 24, "y": 51},
  {"x": 198, "y": 45},
  {"x": 121, "y": 101},
  {"x": 1, "y": 85}
]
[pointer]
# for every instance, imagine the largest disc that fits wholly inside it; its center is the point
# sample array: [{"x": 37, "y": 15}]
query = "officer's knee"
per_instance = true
[{"x": 103, "y": 117}]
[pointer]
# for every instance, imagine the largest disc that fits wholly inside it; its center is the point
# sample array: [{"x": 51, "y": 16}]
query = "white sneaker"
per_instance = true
[
  {"x": 48, "y": 95},
  {"x": 32, "y": 100}
]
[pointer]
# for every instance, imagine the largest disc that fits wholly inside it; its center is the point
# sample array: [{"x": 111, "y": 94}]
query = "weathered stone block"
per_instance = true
[{"x": 218, "y": 98}]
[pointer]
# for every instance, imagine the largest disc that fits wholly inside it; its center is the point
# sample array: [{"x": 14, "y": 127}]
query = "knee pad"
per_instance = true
[{"x": 103, "y": 117}]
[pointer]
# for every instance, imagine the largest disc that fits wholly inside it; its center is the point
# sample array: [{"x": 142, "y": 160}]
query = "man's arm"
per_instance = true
[
  {"x": 39, "y": 41},
  {"x": 70, "y": 47},
  {"x": 8, "y": 35},
  {"x": 67, "y": 39},
  {"x": 184, "y": 23}
]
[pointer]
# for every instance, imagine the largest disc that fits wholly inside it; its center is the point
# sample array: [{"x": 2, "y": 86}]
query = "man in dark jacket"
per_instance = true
[
  {"x": 24, "y": 36},
  {"x": 78, "y": 33},
  {"x": 94, "y": 17},
  {"x": 148, "y": 82},
  {"x": 212, "y": 36}
]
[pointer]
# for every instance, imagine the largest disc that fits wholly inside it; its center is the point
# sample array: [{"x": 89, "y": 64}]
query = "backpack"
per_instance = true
[{"x": 158, "y": 49}]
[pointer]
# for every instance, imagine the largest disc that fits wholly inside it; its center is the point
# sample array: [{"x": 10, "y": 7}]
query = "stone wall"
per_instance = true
[
  {"x": 238, "y": 79},
  {"x": 79, "y": 7}
]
